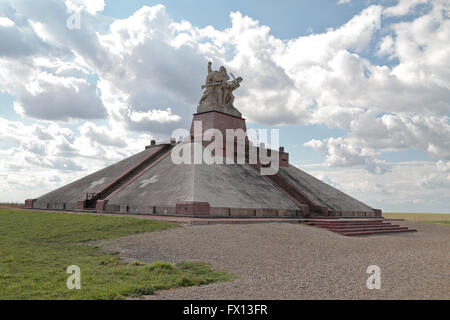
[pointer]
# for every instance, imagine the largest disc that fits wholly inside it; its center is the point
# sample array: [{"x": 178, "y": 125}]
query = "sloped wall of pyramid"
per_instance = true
[
  {"x": 224, "y": 186},
  {"x": 237, "y": 186},
  {"x": 322, "y": 192},
  {"x": 67, "y": 196},
  {"x": 161, "y": 184},
  {"x": 164, "y": 184},
  {"x": 231, "y": 186}
]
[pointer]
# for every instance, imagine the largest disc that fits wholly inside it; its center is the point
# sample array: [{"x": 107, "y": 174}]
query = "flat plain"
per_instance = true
[{"x": 437, "y": 218}]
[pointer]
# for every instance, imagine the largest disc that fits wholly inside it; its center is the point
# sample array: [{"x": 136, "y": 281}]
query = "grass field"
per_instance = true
[
  {"x": 436, "y": 218},
  {"x": 37, "y": 247}
]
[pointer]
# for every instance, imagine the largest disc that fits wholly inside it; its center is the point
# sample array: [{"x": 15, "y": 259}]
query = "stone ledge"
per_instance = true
[{"x": 192, "y": 208}]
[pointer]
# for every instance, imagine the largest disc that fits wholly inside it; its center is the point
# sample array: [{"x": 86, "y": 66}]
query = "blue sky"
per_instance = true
[
  {"x": 359, "y": 90},
  {"x": 286, "y": 19}
]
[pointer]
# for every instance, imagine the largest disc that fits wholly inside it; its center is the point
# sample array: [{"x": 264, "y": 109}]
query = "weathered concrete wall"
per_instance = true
[
  {"x": 321, "y": 192},
  {"x": 227, "y": 186},
  {"x": 236, "y": 186},
  {"x": 230, "y": 190},
  {"x": 165, "y": 184},
  {"x": 77, "y": 190}
]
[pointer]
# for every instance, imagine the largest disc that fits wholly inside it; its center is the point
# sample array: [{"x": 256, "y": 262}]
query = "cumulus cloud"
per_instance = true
[
  {"x": 152, "y": 64},
  {"x": 91, "y": 6},
  {"x": 439, "y": 178},
  {"x": 18, "y": 40},
  {"x": 101, "y": 135},
  {"x": 35, "y": 158},
  {"x": 47, "y": 87},
  {"x": 404, "y": 7},
  {"x": 51, "y": 90},
  {"x": 6, "y": 22},
  {"x": 370, "y": 136},
  {"x": 383, "y": 108},
  {"x": 341, "y": 152},
  {"x": 50, "y": 97},
  {"x": 407, "y": 187}
]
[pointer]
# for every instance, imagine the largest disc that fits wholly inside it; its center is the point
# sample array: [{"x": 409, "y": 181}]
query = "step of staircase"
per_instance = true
[
  {"x": 126, "y": 177},
  {"x": 358, "y": 227},
  {"x": 345, "y": 225},
  {"x": 345, "y": 221},
  {"x": 367, "y": 229},
  {"x": 366, "y": 233},
  {"x": 378, "y": 225}
]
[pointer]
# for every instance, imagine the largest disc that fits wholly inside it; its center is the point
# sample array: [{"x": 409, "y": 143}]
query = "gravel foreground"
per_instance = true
[{"x": 294, "y": 261}]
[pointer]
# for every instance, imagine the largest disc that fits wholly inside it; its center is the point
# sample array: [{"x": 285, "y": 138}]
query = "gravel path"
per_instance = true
[{"x": 293, "y": 261}]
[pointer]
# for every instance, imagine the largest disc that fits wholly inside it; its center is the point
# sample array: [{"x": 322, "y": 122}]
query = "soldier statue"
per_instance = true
[{"x": 218, "y": 94}]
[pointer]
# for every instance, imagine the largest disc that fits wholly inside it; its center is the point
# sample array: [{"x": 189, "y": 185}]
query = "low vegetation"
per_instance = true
[
  {"x": 37, "y": 247},
  {"x": 11, "y": 205},
  {"x": 436, "y": 218}
]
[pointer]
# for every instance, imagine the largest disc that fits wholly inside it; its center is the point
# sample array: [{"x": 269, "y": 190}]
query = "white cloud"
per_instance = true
[
  {"x": 412, "y": 96},
  {"x": 91, "y": 6},
  {"x": 342, "y": 152},
  {"x": 101, "y": 135},
  {"x": 5, "y": 22},
  {"x": 35, "y": 159},
  {"x": 442, "y": 166},
  {"x": 51, "y": 97},
  {"x": 368, "y": 137},
  {"x": 43, "y": 77},
  {"x": 403, "y": 7},
  {"x": 386, "y": 46},
  {"x": 439, "y": 178},
  {"x": 303, "y": 80},
  {"x": 407, "y": 187}
]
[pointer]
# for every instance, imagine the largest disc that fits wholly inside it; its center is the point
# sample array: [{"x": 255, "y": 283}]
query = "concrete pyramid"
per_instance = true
[{"x": 151, "y": 183}]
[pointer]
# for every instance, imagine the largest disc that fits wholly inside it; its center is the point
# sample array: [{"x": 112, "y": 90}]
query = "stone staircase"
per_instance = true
[
  {"x": 96, "y": 200},
  {"x": 360, "y": 227}
]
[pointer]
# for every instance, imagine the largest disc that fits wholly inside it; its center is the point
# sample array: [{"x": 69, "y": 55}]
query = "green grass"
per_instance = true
[
  {"x": 37, "y": 247},
  {"x": 435, "y": 218}
]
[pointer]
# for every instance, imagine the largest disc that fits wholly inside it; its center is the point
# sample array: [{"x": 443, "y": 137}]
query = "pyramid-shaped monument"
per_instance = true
[{"x": 235, "y": 179}]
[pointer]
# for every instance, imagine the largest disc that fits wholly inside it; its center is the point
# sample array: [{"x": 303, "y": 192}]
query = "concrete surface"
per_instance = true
[
  {"x": 322, "y": 192},
  {"x": 77, "y": 190},
  {"x": 221, "y": 185}
]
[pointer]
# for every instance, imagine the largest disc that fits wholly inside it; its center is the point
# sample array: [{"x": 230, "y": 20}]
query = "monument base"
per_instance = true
[
  {"x": 224, "y": 109},
  {"x": 218, "y": 120}
]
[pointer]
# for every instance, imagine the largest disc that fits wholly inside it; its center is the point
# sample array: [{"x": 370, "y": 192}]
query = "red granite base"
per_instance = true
[
  {"x": 29, "y": 203},
  {"x": 219, "y": 121},
  {"x": 81, "y": 204},
  {"x": 192, "y": 208}
]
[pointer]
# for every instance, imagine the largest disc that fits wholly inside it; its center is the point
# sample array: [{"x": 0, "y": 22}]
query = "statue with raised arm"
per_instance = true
[
  {"x": 213, "y": 94},
  {"x": 218, "y": 94},
  {"x": 228, "y": 88}
]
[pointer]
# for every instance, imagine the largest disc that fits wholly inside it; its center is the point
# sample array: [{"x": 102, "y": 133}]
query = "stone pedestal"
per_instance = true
[
  {"x": 218, "y": 120},
  {"x": 29, "y": 203},
  {"x": 222, "y": 109},
  {"x": 189, "y": 208}
]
